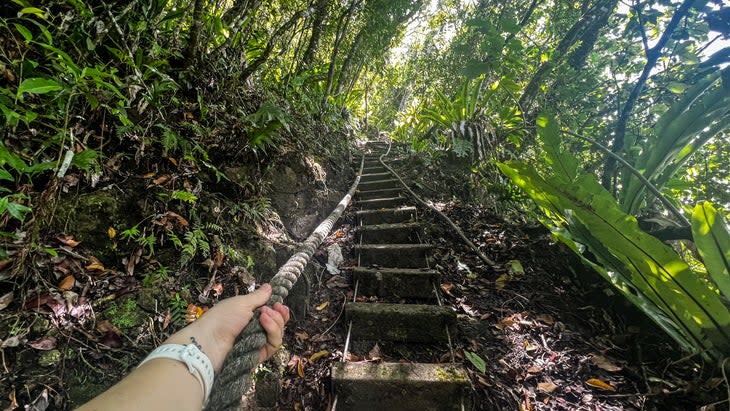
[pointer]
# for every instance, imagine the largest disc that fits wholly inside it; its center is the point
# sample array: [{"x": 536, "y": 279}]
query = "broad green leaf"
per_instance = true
[
  {"x": 564, "y": 164},
  {"x": 38, "y": 85},
  {"x": 650, "y": 266},
  {"x": 475, "y": 360},
  {"x": 711, "y": 236},
  {"x": 676, "y": 87},
  {"x": 5, "y": 175},
  {"x": 34, "y": 11},
  {"x": 27, "y": 35},
  {"x": 16, "y": 210}
]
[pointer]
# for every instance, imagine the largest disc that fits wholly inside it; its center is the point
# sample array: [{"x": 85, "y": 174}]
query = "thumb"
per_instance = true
[{"x": 259, "y": 297}]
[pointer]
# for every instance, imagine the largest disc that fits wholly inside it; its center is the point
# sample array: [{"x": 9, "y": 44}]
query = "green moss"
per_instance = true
[
  {"x": 448, "y": 374},
  {"x": 124, "y": 314}
]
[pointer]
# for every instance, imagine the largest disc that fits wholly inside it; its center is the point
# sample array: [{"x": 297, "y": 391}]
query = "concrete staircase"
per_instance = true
[{"x": 394, "y": 266}]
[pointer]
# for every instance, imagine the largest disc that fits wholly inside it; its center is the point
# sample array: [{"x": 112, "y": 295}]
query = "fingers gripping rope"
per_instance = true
[{"x": 234, "y": 378}]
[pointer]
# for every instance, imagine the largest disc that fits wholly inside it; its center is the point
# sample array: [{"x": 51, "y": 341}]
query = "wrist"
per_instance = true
[{"x": 215, "y": 349}]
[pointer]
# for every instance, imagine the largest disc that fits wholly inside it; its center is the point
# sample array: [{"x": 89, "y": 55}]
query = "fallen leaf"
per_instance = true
[
  {"x": 603, "y": 363},
  {"x": 322, "y": 306},
  {"x": 67, "y": 283},
  {"x": 447, "y": 288},
  {"x": 506, "y": 323},
  {"x": 218, "y": 289},
  {"x": 11, "y": 342},
  {"x": 477, "y": 361},
  {"x": 515, "y": 267},
  {"x": 111, "y": 339},
  {"x": 547, "y": 387},
  {"x": 5, "y": 263},
  {"x": 300, "y": 368},
  {"x": 46, "y": 343},
  {"x": 166, "y": 320},
  {"x": 13, "y": 401},
  {"x": 596, "y": 383},
  {"x": 193, "y": 312},
  {"x": 133, "y": 260},
  {"x": 534, "y": 369},
  {"x": 67, "y": 240},
  {"x": 5, "y": 300},
  {"x": 95, "y": 264},
  {"x": 149, "y": 175},
  {"x": 161, "y": 180},
  {"x": 375, "y": 353},
  {"x": 546, "y": 318},
  {"x": 501, "y": 281},
  {"x": 111, "y": 232},
  {"x": 318, "y": 355},
  {"x": 302, "y": 336}
]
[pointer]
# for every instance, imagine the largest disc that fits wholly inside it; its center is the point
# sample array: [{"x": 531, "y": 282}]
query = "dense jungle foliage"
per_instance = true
[{"x": 605, "y": 120}]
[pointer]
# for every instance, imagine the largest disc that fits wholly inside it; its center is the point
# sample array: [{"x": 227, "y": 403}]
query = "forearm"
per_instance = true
[{"x": 159, "y": 384}]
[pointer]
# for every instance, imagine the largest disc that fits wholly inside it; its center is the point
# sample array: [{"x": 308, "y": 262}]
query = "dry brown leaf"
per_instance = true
[
  {"x": 161, "y": 180},
  {"x": 95, "y": 267},
  {"x": 316, "y": 356},
  {"x": 44, "y": 344},
  {"x": 300, "y": 368},
  {"x": 600, "y": 384},
  {"x": 546, "y": 318},
  {"x": 302, "y": 336},
  {"x": 13, "y": 401},
  {"x": 67, "y": 240},
  {"x": 547, "y": 387},
  {"x": 149, "y": 175},
  {"x": 322, "y": 306},
  {"x": 447, "y": 288},
  {"x": 534, "y": 369},
  {"x": 5, "y": 300},
  {"x": 375, "y": 353},
  {"x": 603, "y": 363},
  {"x": 67, "y": 283}
]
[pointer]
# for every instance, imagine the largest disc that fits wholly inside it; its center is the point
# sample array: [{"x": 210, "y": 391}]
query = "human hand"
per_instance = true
[{"x": 217, "y": 329}]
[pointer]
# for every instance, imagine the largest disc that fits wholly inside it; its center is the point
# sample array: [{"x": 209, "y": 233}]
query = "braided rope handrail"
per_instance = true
[{"x": 234, "y": 378}]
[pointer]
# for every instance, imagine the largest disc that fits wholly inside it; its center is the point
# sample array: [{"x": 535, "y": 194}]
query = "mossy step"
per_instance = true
[
  {"x": 370, "y": 194},
  {"x": 373, "y": 177},
  {"x": 389, "y": 233},
  {"x": 393, "y": 255},
  {"x": 396, "y": 282},
  {"x": 373, "y": 169},
  {"x": 406, "y": 323},
  {"x": 378, "y": 203},
  {"x": 378, "y": 184},
  {"x": 367, "y": 386},
  {"x": 386, "y": 215}
]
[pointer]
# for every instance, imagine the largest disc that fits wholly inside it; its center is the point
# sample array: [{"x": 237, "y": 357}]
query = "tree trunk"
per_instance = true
[
  {"x": 254, "y": 65},
  {"x": 652, "y": 56},
  {"x": 320, "y": 14},
  {"x": 342, "y": 25},
  {"x": 346, "y": 65},
  {"x": 194, "y": 38}
]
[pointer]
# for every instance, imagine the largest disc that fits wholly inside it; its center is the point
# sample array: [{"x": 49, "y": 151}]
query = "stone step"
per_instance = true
[
  {"x": 411, "y": 323},
  {"x": 394, "y": 255},
  {"x": 370, "y": 194},
  {"x": 396, "y": 282},
  {"x": 386, "y": 215},
  {"x": 376, "y": 203},
  {"x": 367, "y": 386},
  {"x": 374, "y": 177},
  {"x": 373, "y": 170},
  {"x": 389, "y": 233},
  {"x": 378, "y": 184}
]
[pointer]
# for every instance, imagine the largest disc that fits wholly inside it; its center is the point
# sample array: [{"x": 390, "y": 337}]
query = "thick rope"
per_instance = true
[{"x": 234, "y": 378}]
